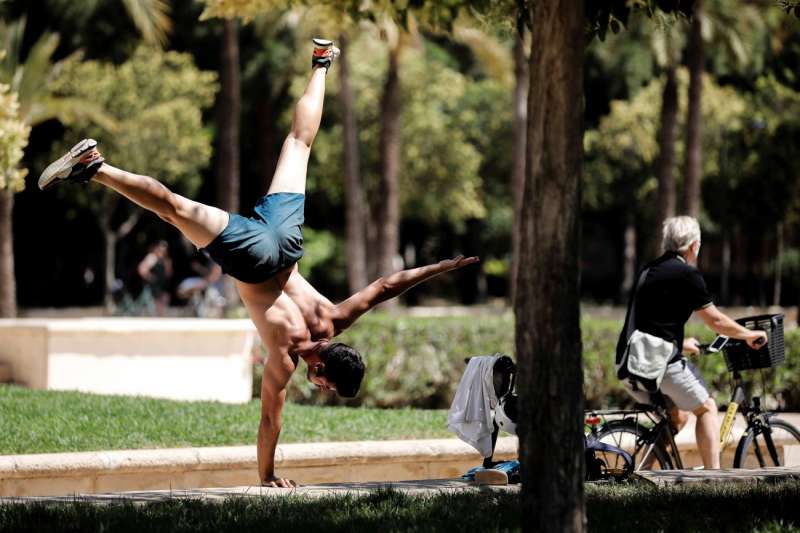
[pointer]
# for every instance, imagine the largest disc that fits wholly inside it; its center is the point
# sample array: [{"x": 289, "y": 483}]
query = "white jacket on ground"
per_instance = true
[{"x": 470, "y": 415}]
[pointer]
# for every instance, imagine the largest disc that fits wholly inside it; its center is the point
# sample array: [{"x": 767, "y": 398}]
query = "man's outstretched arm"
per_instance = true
[{"x": 388, "y": 287}]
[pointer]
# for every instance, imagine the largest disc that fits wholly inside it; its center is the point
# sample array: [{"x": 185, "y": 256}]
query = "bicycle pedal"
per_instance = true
[{"x": 491, "y": 477}]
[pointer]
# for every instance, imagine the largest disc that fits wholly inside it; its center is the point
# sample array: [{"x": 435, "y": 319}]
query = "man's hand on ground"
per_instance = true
[
  {"x": 457, "y": 262},
  {"x": 756, "y": 340},
  {"x": 278, "y": 482},
  {"x": 691, "y": 346}
]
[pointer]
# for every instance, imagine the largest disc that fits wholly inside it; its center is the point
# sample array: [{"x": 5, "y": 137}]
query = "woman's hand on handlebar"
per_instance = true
[
  {"x": 691, "y": 346},
  {"x": 756, "y": 339}
]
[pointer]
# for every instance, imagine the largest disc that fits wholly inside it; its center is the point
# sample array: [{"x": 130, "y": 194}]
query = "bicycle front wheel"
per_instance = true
[
  {"x": 634, "y": 439},
  {"x": 764, "y": 447}
]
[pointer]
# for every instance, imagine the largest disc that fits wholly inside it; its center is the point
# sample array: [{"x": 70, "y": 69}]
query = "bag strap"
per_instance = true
[{"x": 631, "y": 326}]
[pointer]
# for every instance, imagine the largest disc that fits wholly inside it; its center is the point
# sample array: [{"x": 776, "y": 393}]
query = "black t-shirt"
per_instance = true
[{"x": 671, "y": 292}]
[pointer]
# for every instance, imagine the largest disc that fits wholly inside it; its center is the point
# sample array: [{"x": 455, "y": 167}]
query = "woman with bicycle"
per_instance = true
[{"x": 668, "y": 291}]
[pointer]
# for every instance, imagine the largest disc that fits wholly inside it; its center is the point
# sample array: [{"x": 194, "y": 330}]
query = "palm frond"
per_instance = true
[
  {"x": 494, "y": 58},
  {"x": 151, "y": 18},
  {"x": 68, "y": 111},
  {"x": 35, "y": 73}
]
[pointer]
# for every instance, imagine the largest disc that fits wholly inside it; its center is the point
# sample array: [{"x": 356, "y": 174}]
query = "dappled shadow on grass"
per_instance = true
[
  {"x": 762, "y": 506},
  {"x": 382, "y": 510},
  {"x": 696, "y": 507}
]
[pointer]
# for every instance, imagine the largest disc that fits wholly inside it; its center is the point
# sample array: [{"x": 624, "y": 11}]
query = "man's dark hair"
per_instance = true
[{"x": 343, "y": 367}]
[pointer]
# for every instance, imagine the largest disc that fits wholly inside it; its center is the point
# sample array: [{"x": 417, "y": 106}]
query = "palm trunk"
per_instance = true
[
  {"x": 696, "y": 59},
  {"x": 8, "y": 282},
  {"x": 229, "y": 107},
  {"x": 355, "y": 205},
  {"x": 109, "y": 269},
  {"x": 518, "y": 152},
  {"x": 388, "y": 214},
  {"x": 547, "y": 306},
  {"x": 666, "y": 155},
  {"x": 776, "y": 289},
  {"x": 629, "y": 257},
  {"x": 228, "y": 118},
  {"x": 724, "y": 289},
  {"x": 267, "y": 117}
]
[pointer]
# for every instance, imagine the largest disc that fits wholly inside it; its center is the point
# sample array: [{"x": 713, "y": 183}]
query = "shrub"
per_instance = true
[{"x": 418, "y": 362}]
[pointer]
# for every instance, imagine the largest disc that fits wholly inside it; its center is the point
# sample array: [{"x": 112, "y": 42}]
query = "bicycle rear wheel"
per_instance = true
[
  {"x": 759, "y": 449},
  {"x": 633, "y": 438}
]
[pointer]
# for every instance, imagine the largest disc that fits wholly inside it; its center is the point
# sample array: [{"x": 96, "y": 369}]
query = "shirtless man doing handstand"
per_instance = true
[{"x": 293, "y": 320}]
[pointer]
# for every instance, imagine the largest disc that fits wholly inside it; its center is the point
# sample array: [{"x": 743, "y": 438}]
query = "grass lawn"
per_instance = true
[
  {"x": 36, "y": 421},
  {"x": 741, "y": 508}
]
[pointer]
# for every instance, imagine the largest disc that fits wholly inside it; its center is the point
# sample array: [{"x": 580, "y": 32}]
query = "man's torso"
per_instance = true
[
  {"x": 670, "y": 293},
  {"x": 289, "y": 314}
]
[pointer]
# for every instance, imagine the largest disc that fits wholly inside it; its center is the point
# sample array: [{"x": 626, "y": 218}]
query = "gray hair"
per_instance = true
[{"x": 679, "y": 233}]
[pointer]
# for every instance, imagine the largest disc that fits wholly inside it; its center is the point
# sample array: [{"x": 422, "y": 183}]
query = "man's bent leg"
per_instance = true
[
  {"x": 200, "y": 223},
  {"x": 290, "y": 173},
  {"x": 707, "y": 433}
]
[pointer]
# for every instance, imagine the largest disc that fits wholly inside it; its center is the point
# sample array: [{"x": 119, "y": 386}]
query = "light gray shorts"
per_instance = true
[{"x": 683, "y": 385}]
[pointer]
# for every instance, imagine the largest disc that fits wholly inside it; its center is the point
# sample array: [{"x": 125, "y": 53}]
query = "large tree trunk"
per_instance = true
[
  {"x": 547, "y": 307},
  {"x": 693, "y": 170},
  {"x": 776, "y": 288},
  {"x": 388, "y": 212},
  {"x": 518, "y": 152},
  {"x": 355, "y": 206},
  {"x": 666, "y": 156},
  {"x": 8, "y": 282}
]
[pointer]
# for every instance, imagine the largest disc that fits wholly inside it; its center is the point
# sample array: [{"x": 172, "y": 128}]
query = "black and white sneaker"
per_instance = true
[
  {"x": 324, "y": 53},
  {"x": 78, "y": 165}
]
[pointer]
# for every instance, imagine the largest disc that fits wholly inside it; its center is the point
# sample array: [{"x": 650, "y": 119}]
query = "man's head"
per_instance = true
[
  {"x": 341, "y": 369},
  {"x": 682, "y": 235}
]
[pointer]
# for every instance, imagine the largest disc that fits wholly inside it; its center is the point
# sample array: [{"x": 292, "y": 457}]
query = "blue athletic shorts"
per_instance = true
[{"x": 254, "y": 249}]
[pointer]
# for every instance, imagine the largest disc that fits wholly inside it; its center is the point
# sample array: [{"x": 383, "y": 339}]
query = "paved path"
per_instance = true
[
  {"x": 431, "y": 486},
  {"x": 735, "y": 475}
]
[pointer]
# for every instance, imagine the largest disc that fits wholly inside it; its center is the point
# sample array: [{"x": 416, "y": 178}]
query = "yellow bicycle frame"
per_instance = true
[{"x": 727, "y": 424}]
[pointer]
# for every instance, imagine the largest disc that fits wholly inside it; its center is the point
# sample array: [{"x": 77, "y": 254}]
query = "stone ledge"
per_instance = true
[
  {"x": 90, "y": 472},
  {"x": 233, "y": 457}
]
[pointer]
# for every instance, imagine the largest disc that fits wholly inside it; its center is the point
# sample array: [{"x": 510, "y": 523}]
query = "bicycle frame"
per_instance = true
[
  {"x": 659, "y": 418},
  {"x": 757, "y": 420}
]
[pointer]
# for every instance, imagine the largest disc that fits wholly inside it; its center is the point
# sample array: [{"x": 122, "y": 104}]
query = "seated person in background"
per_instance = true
[{"x": 156, "y": 270}]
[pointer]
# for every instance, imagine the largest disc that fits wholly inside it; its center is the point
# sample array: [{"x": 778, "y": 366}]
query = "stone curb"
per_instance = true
[
  {"x": 116, "y": 470},
  {"x": 234, "y": 457}
]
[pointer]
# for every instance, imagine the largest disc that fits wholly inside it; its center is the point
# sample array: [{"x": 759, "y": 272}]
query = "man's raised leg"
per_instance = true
[
  {"x": 198, "y": 222},
  {"x": 290, "y": 173}
]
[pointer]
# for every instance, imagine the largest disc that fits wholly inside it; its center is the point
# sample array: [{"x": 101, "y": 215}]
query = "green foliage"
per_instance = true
[
  {"x": 13, "y": 139},
  {"x": 32, "y": 79},
  {"x": 419, "y": 361},
  {"x": 621, "y": 152},
  {"x": 439, "y": 174},
  {"x": 156, "y": 98}
]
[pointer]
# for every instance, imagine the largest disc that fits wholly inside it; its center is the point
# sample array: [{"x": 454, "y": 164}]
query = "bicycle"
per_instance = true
[{"x": 651, "y": 442}]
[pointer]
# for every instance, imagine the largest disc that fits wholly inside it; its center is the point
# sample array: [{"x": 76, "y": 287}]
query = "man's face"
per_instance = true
[{"x": 320, "y": 381}]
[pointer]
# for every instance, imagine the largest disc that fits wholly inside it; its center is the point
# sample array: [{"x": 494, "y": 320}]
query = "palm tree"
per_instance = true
[
  {"x": 354, "y": 188},
  {"x": 30, "y": 80}
]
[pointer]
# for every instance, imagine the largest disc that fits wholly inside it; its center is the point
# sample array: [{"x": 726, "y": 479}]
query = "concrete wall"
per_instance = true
[
  {"x": 179, "y": 359},
  {"x": 186, "y": 468}
]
